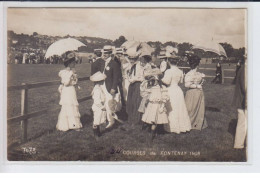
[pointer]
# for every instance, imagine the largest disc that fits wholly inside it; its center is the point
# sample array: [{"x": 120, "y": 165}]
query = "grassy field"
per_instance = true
[{"x": 124, "y": 142}]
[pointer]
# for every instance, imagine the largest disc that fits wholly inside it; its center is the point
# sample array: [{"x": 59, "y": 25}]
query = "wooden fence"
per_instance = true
[{"x": 23, "y": 118}]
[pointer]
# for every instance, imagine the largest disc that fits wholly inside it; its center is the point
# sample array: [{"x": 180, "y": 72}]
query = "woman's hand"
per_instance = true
[
  {"x": 199, "y": 86},
  {"x": 202, "y": 81}
]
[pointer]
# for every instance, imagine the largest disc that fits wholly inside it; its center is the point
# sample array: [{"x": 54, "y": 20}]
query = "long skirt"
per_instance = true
[
  {"x": 178, "y": 116},
  {"x": 133, "y": 102},
  {"x": 195, "y": 104},
  {"x": 69, "y": 118}
]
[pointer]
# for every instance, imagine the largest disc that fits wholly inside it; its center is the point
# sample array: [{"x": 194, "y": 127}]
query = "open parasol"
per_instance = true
[
  {"x": 130, "y": 44},
  {"x": 211, "y": 46},
  {"x": 141, "y": 48},
  {"x": 61, "y": 46}
]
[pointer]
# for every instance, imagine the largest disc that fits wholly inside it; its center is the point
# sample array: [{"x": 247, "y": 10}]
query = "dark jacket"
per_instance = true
[
  {"x": 218, "y": 69},
  {"x": 113, "y": 73},
  {"x": 239, "y": 99},
  {"x": 98, "y": 65}
]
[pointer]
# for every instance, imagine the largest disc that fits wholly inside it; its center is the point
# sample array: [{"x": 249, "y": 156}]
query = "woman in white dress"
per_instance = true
[
  {"x": 69, "y": 117},
  {"x": 178, "y": 117}
]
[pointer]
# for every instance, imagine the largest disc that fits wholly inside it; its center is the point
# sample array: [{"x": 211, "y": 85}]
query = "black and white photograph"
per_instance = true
[{"x": 139, "y": 84}]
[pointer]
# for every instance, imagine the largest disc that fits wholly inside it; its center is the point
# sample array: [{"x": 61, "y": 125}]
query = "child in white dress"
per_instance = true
[
  {"x": 69, "y": 117},
  {"x": 155, "y": 111},
  {"x": 98, "y": 107}
]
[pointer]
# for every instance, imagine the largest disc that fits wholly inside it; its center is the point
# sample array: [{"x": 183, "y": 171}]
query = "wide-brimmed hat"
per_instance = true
[
  {"x": 145, "y": 53},
  {"x": 132, "y": 53},
  {"x": 171, "y": 49},
  {"x": 152, "y": 72},
  {"x": 188, "y": 53},
  {"x": 98, "y": 76},
  {"x": 69, "y": 56},
  {"x": 193, "y": 59},
  {"x": 107, "y": 49}
]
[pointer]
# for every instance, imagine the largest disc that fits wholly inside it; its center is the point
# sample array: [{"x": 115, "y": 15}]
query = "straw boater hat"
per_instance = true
[
  {"x": 97, "y": 51},
  {"x": 107, "y": 49},
  {"x": 152, "y": 72},
  {"x": 119, "y": 51},
  {"x": 162, "y": 54},
  {"x": 98, "y": 76}
]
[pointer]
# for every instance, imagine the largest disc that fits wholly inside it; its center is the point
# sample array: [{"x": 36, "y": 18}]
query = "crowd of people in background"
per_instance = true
[{"x": 34, "y": 56}]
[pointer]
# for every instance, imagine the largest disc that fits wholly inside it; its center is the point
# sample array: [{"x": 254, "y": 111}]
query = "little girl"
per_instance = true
[
  {"x": 98, "y": 106},
  {"x": 145, "y": 93},
  {"x": 155, "y": 112},
  {"x": 69, "y": 117}
]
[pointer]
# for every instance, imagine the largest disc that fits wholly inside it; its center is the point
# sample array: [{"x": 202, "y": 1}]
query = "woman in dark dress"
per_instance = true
[
  {"x": 135, "y": 77},
  {"x": 237, "y": 68}
]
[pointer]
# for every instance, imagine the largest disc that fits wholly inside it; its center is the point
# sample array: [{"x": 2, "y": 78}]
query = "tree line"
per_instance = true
[{"x": 95, "y": 43}]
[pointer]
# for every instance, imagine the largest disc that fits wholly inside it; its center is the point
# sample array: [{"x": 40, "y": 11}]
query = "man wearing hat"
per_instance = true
[
  {"x": 119, "y": 58},
  {"x": 98, "y": 63},
  {"x": 113, "y": 72}
]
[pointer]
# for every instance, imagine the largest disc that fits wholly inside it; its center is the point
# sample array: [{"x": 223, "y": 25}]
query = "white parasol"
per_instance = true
[
  {"x": 211, "y": 46},
  {"x": 144, "y": 49},
  {"x": 141, "y": 48},
  {"x": 130, "y": 44},
  {"x": 61, "y": 46}
]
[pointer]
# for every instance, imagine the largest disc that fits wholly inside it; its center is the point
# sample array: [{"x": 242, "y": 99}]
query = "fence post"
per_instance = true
[{"x": 24, "y": 110}]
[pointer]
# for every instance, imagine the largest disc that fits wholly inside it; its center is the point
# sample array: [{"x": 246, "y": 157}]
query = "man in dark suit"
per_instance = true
[
  {"x": 239, "y": 101},
  {"x": 98, "y": 63},
  {"x": 113, "y": 72}
]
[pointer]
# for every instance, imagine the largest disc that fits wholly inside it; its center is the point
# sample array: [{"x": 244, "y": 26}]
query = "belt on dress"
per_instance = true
[{"x": 156, "y": 102}]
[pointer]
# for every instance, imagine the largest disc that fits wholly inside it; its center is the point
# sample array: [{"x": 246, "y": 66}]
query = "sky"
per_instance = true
[{"x": 141, "y": 24}]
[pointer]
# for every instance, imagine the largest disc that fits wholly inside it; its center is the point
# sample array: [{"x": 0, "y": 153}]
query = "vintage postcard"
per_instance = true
[{"x": 126, "y": 84}]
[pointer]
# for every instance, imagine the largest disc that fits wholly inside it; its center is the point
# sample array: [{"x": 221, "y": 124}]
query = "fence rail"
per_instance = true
[{"x": 23, "y": 118}]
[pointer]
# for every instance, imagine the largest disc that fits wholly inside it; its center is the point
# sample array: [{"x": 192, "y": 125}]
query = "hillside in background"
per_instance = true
[
  {"x": 42, "y": 42},
  {"x": 37, "y": 42}
]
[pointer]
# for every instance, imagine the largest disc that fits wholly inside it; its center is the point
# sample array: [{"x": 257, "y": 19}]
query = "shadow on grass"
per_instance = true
[{"x": 87, "y": 118}]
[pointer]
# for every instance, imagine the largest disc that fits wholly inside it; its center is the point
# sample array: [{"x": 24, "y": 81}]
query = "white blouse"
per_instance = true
[
  {"x": 193, "y": 79},
  {"x": 173, "y": 76},
  {"x": 138, "y": 75},
  {"x": 68, "y": 77}
]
